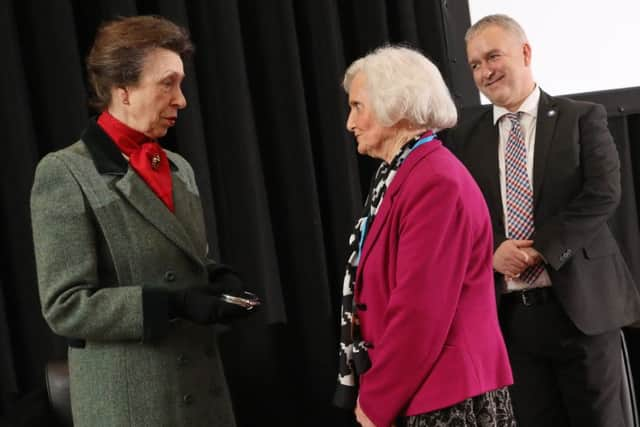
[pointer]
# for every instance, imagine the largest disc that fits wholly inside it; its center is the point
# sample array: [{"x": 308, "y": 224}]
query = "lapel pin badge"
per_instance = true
[
  {"x": 551, "y": 113},
  {"x": 155, "y": 161}
]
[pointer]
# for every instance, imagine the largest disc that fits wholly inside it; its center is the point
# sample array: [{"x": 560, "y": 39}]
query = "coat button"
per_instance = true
[
  {"x": 187, "y": 399},
  {"x": 361, "y": 306},
  {"x": 182, "y": 360},
  {"x": 169, "y": 276}
]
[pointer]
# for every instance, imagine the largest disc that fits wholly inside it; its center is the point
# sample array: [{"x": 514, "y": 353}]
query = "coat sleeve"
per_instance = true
[
  {"x": 74, "y": 302},
  {"x": 433, "y": 252},
  {"x": 561, "y": 236}
]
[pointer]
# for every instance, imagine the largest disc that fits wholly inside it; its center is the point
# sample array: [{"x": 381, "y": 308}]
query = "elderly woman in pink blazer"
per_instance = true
[{"x": 420, "y": 341}]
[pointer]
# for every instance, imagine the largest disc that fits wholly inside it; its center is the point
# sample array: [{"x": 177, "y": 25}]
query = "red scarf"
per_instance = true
[{"x": 146, "y": 157}]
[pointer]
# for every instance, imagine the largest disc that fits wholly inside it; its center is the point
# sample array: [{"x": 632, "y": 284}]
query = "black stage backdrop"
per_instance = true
[{"x": 280, "y": 180}]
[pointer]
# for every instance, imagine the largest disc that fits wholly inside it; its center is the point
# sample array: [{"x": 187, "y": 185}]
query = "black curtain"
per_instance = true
[{"x": 280, "y": 180}]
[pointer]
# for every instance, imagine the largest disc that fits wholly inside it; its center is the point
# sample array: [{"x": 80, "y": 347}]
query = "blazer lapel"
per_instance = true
[
  {"x": 372, "y": 235},
  {"x": 545, "y": 127},
  {"x": 142, "y": 198},
  {"x": 387, "y": 203}
]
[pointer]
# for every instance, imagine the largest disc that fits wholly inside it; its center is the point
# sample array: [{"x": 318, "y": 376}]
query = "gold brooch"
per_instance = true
[{"x": 155, "y": 161}]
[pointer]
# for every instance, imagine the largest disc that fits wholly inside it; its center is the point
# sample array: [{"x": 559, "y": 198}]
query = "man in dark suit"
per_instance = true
[{"x": 549, "y": 170}]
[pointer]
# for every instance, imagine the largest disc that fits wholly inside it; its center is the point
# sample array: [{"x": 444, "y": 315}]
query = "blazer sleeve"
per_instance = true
[
  {"x": 433, "y": 251},
  {"x": 562, "y": 235},
  {"x": 74, "y": 301}
]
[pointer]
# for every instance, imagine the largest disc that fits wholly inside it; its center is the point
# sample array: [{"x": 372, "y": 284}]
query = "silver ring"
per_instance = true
[{"x": 242, "y": 302}]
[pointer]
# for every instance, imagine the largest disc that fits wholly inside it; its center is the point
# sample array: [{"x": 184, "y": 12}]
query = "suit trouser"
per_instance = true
[{"x": 562, "y": 377}]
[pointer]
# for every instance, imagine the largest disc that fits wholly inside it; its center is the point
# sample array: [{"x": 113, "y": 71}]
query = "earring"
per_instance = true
[{"x": 125, "y": 96}]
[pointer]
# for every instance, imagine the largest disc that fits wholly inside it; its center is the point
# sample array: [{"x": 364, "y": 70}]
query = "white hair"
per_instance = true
[
  {"x": 505, "y": 22},
  {"x": 402, "y": 84}
]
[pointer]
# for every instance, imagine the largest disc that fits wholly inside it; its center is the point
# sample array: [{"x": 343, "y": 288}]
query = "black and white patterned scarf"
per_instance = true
[{"x": 354, "y": 359}]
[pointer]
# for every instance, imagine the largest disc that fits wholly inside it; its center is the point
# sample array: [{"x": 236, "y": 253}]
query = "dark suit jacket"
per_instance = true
[{"x": 576, "y": 186}]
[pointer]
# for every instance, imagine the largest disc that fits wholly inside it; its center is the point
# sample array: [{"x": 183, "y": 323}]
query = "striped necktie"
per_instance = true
[{"x": 519, "y": 192}]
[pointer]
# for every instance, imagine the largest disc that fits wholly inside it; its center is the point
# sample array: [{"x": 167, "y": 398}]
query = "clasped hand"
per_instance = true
[{"x": 514, "y": 256}]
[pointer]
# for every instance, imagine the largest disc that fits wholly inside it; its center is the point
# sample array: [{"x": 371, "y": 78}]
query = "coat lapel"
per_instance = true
[
  {"x": 109, "y": 160},
  {"x": 143, "y": 199},
  {"x": 545, "y": 127},
  {"x": 188, "y": 211}
]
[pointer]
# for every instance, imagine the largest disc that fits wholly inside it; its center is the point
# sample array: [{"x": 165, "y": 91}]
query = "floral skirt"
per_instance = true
[{"x": 491, "y": 409}]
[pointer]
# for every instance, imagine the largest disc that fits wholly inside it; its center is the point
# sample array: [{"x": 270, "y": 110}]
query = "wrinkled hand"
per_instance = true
[
  {"x": 362, "y": 417},
  {"x": 511, "y": 257}
]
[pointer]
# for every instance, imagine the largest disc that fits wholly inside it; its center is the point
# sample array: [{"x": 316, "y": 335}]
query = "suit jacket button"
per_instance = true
[
  {"x": 187, "y": 399},
  {"x": 169, "y": 276}
]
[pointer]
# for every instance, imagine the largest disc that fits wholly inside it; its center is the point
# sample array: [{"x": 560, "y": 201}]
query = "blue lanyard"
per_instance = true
[
  {"x": 424, "y": 140},
  {"x": 363, "y": 226}
]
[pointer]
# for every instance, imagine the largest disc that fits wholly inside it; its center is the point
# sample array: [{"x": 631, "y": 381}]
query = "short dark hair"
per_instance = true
[{"x": 120, "y": 48}]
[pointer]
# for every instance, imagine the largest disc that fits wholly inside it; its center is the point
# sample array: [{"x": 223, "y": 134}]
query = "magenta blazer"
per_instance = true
[{"x": 425, "y": 282}]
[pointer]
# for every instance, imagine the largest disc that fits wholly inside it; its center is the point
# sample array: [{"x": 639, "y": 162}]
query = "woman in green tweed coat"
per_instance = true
[{"x": 120, "y": 249}]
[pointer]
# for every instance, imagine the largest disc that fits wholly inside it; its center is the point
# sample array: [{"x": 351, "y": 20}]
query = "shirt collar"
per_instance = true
[{"x": 529, "y": 106}]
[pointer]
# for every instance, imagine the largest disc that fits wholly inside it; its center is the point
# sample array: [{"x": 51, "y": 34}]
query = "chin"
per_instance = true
[
  {"x": 158, "y": 134},
  {"x": 494, "y": 98}
]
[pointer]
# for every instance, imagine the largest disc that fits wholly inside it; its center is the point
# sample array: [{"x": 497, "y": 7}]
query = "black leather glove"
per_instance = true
[
  {"x": 224, "y": 280},
  {"x": 227, "y": 282},
  {"x": 201, "y": 304}
]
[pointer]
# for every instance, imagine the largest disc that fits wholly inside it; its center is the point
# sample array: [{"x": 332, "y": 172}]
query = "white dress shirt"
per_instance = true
[{"x": 529, "y": 110}]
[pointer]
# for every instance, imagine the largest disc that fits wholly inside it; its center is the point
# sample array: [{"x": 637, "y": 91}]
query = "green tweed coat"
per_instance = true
[{"x": 98, "y": 252}]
